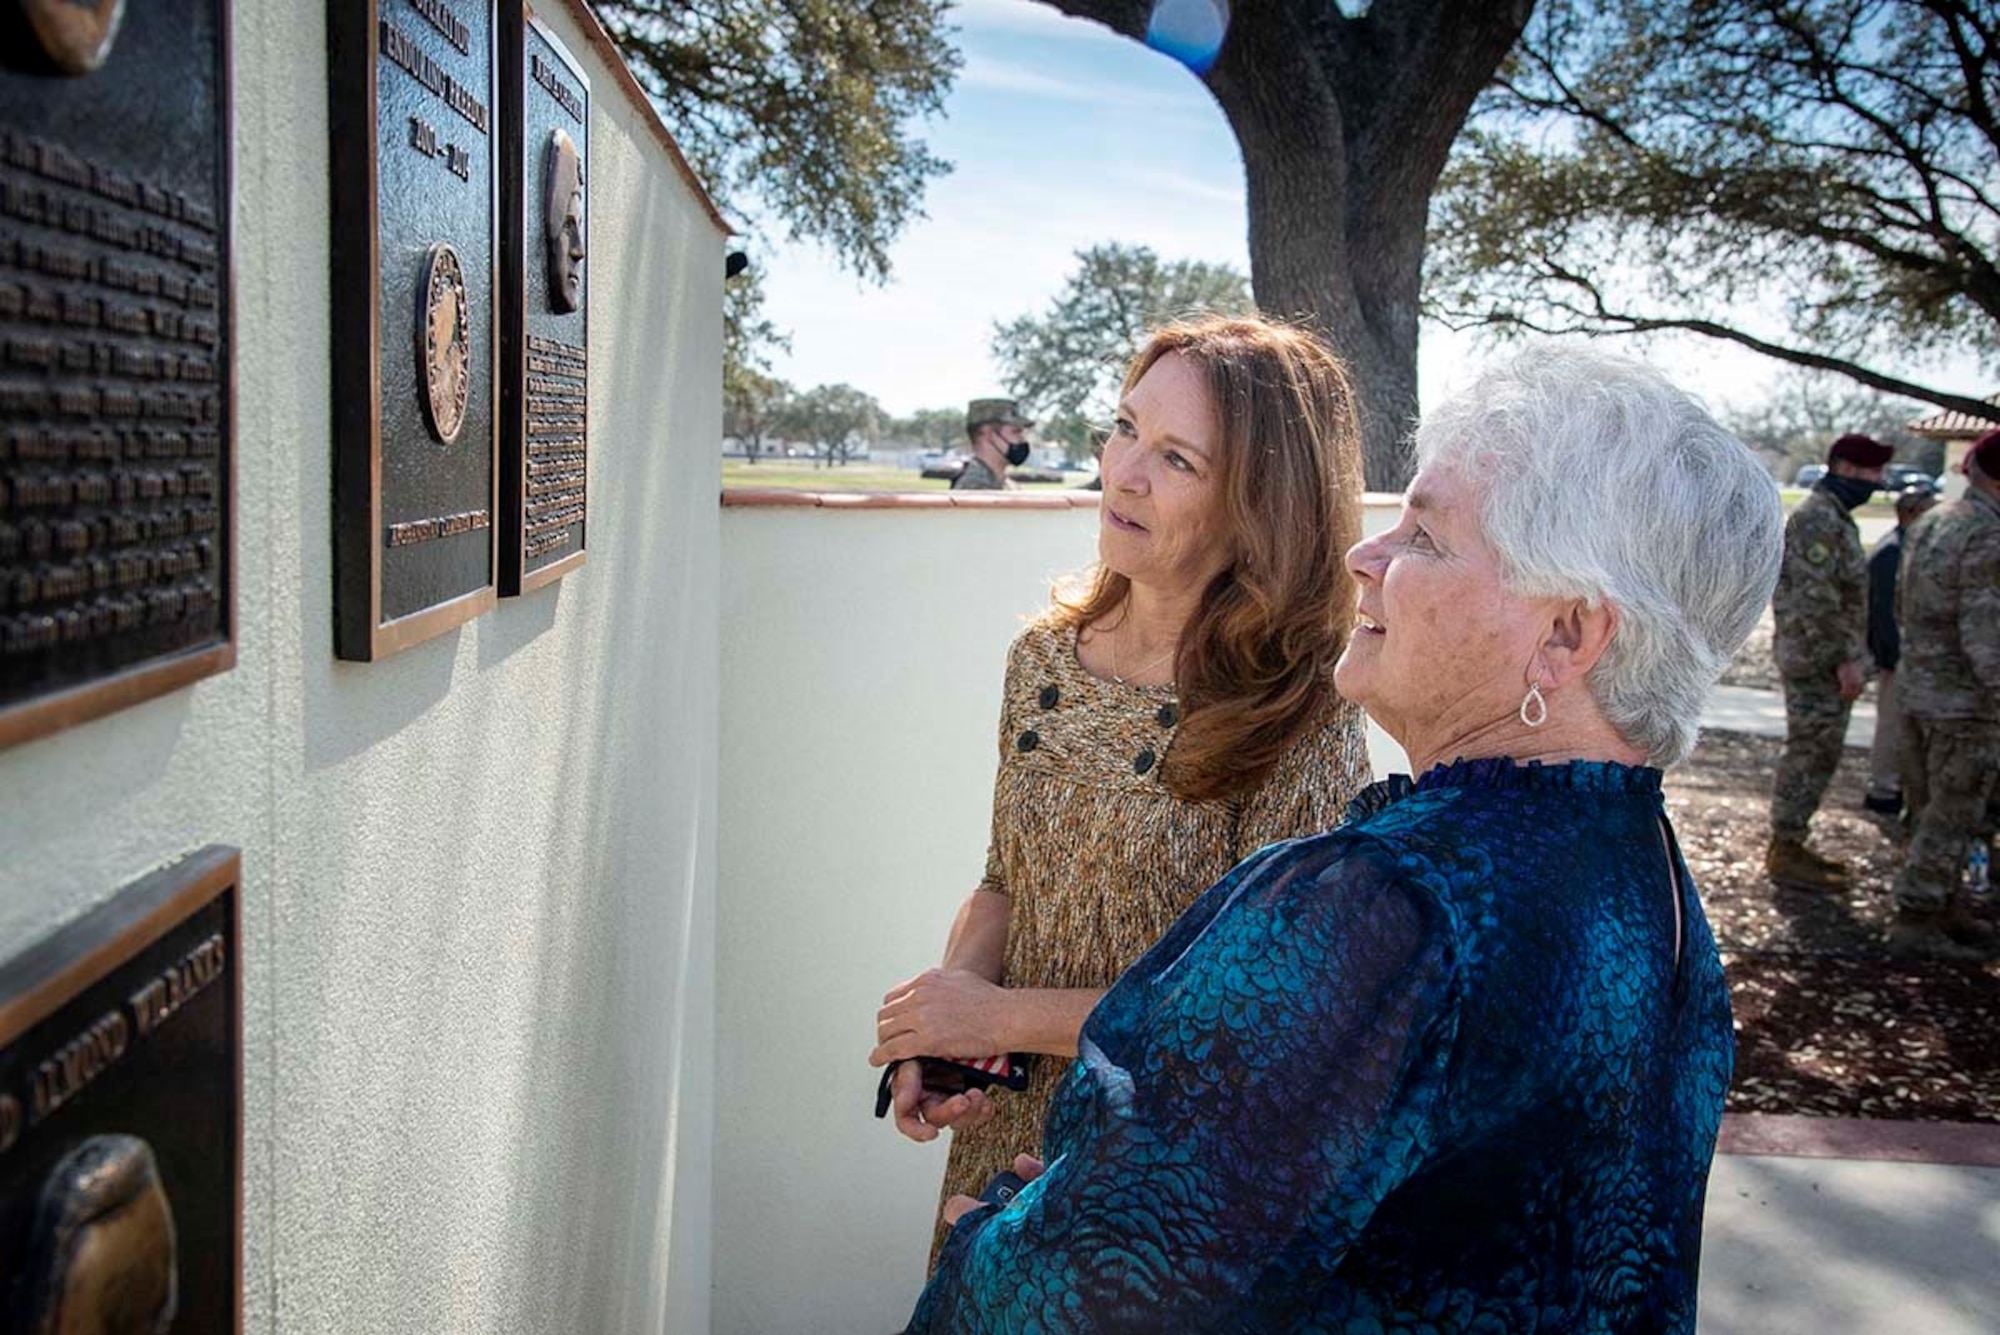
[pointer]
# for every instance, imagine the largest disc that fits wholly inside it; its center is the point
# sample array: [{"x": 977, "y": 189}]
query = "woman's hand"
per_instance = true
[
  {"x": 940, "y": 1013},
  {"x": 920, "y": 1113},
  {"x": 1026, "y": 1166}
]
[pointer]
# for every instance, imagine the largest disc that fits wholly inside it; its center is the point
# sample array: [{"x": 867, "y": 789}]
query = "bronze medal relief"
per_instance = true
[
  {"x": 416, "y": 334},
  {"x": 444, "y": 346},
  {"x": 115, "y": 375},
  {"x": 545, "y": 342},
  {"x": 120, "y": 1114}
]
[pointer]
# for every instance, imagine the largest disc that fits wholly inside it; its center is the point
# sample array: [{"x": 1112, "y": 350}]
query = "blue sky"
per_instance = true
[{"x": 1064, "y": 135}]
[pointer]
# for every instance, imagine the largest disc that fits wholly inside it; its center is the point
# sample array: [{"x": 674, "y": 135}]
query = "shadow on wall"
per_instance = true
[{"x": 495, "y": 934}]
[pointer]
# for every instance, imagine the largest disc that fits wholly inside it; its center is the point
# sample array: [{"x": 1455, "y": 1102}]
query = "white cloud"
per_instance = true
[
  {"x": 993, "y": 75},
  {"x": 1209, "y": 190}
]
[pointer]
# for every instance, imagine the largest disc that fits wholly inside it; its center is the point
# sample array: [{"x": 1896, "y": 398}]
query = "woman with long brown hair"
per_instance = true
[{"x": 1169, "y": 716}]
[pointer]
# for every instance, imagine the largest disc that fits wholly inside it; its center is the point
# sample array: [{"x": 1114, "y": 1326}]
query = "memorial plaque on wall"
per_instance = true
[
  {"x": 415, "y": 333},
  {"x": 115, "y": 349},
  {"x": 121, "y": 1113},
  {"x": 544, "y": 339}
]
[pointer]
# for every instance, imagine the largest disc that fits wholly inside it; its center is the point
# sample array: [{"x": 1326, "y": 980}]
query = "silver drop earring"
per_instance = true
[{"x": 1535, "y": 709}]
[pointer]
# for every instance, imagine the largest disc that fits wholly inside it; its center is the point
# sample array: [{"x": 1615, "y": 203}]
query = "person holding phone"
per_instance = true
[
  {"x": 1167, "y": 717},
  {"x": 1459, "y": 1064}
]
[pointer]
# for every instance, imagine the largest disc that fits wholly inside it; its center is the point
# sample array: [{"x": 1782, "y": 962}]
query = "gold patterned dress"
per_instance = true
[{"x": 1099, "y": 858}]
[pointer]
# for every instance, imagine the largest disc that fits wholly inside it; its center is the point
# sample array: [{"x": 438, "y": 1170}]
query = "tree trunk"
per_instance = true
[
  {"x": 1344, "y": 125},
  {"x": 1357, "y": 280}
]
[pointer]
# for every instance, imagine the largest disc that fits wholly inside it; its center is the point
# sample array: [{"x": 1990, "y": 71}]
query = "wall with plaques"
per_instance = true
[{"x": 478, "y": 874}]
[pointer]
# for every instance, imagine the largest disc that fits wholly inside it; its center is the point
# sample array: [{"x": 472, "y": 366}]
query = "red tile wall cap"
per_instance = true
[
  {"x": 883, "y": 500},
  {"x": 1969, "y": 1144},
  {"x": 757, "y": 497}
]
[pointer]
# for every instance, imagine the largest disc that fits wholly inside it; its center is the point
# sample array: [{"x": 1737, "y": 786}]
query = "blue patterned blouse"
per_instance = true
[{"x": 1445, "y": 1068}]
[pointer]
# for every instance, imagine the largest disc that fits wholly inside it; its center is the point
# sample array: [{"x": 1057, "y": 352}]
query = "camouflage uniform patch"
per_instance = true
[
  {"x": 1820, "y": 609},
  {"x": 1948, "y": 680},
  {"x": 1815, "y": 730},
  {"x": 1948, "y": 604},
  {"x": 978, "y": 477},
  {"x": 1950, "y": 776}
]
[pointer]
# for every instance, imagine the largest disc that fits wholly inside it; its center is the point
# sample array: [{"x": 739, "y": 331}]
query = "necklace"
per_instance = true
[{"x": 1117, "y": 674}]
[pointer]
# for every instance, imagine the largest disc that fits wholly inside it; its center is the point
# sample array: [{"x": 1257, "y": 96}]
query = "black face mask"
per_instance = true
[
  {"x": 1017, "y": 453},
  {"x": 1849, "y": 491}
]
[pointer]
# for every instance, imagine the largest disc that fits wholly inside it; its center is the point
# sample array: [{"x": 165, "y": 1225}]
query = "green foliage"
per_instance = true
[
  {"x": 933, "y": 428},
  {"x": 801, "y": 107},
  {"x": 752, "y": 403},
  {"x": 1065, "y": 365},
  {"x": 748, "y": 336},
  {"x": 1662, "y": 166},
  {"x": 836, "y": 420}
]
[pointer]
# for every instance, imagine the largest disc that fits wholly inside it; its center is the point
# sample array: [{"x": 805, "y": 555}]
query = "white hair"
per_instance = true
[{"x": 1602, "y": 482}]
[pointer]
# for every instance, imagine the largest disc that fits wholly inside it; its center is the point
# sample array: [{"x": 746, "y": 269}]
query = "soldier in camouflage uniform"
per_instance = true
[
  {"x": 1821, "y": 610},
  {"x": 1949, "y": 605},
  {"x": 999, "y": 436}
]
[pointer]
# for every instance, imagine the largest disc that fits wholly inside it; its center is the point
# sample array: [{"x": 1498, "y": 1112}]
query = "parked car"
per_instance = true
[
  {"x": 1809, "y": 474},
  {"x": 1902, "y": 477}
]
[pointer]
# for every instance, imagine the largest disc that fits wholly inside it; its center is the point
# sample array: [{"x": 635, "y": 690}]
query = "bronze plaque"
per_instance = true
[
  {"x": 545, "y": 292},
  {"x": 415, "y": 318},
  {"x": 121, "y": 1114},
  {"x": 115, "y": 376}
]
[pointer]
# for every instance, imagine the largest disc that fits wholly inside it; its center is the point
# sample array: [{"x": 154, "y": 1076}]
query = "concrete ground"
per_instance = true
[
  {"x": 1808, "y": 1246},
  {"x": 1813, "y": 1246},
  {"x": 1745, "y": 709}
]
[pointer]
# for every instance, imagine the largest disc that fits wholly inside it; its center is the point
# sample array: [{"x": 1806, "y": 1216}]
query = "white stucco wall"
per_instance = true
[
  {"x": 478, "y": 917},
  {"x": 862, "y": 655}
]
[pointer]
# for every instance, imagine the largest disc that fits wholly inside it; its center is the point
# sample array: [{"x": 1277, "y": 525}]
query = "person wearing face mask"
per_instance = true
[
  {"x": 1821, "y": 611},
  {"x": 999, "y": 436}
]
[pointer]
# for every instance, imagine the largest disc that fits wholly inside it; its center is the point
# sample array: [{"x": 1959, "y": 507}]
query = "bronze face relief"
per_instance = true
[
  {"x": 102, "y": 1256},
  {"x": 562, "y": 221},
  {"x": 544, "y": 307},
  {"x": 444, "y": 347},
  {"x": 121, "y": 1078},
  {"x": 76, "y": 34}
]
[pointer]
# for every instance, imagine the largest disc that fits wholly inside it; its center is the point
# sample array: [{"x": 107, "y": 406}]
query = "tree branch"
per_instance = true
[{"x": 1610, "y": 323}]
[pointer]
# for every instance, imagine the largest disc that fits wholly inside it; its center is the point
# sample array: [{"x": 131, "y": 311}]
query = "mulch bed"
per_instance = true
[{"x": 1827, "y": 1023}]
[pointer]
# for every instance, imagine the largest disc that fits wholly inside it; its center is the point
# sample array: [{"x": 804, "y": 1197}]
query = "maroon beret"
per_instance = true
[
  {"x": 1986, "y": 453},
  {"x": 1861, "y": 451}
]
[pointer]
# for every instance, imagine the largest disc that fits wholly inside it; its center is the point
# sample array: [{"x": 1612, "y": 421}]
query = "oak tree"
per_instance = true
[
  {"x": 1813, "y": 180},
  {"x": 801, "y": 109},
  {"x": 1064, "y": 364},
  {"x": 1345, "y": 114}
]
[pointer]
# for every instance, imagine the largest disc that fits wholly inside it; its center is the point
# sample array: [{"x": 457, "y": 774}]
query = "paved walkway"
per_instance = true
[
  {"x": 1745, "y": 709},
  {"x": 1849, "y": 1247}
]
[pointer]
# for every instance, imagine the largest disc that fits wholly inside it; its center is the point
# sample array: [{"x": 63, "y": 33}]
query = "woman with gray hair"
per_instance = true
[{"x": 1458, "y": 1064}]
